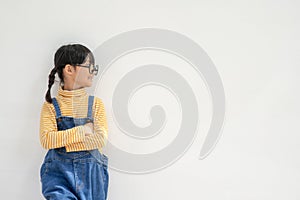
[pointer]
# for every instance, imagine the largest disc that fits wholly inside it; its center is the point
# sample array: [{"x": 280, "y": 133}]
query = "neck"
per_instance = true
[{"x": 71, "y": 87}]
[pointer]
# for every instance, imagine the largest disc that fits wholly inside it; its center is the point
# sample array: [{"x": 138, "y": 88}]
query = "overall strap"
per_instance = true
[
  {"x": 90, "y": 106},
  {"x": 56, "y": 106}
]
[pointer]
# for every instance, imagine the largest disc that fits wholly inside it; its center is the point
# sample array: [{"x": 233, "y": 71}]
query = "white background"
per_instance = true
[{"x": 255, "y": 47}]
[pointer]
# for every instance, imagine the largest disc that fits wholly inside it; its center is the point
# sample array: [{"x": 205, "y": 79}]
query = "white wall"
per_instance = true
[{"x": 255, "y": 47}]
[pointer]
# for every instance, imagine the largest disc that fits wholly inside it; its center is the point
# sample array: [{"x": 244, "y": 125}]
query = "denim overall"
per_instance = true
[{"x": 80, "y": 175}]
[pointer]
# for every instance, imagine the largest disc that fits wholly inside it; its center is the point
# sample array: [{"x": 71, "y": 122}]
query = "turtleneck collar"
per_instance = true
[{"x": 71, "y": 93}]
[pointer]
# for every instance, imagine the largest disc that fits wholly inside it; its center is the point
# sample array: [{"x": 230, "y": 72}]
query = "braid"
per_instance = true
[{"x": 50, "y": 83}]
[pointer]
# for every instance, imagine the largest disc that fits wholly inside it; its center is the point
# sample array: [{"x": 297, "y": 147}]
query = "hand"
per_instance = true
[{"x": 89, "y": 128}]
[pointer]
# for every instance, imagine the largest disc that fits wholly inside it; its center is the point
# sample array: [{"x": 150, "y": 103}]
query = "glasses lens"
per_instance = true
[
  {"x": 94, "y": 69},
  {"x": 91, "y": 67}
]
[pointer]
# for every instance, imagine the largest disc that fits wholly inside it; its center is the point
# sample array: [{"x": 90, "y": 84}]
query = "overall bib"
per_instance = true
[{"x": 80, "y": 175}]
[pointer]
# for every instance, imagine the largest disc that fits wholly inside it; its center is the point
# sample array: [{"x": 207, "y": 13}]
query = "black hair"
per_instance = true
[{"x": 73, "y": 54}]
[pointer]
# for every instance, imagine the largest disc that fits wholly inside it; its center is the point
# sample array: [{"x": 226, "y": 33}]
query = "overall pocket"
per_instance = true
[{"x": 100, "y": 157}]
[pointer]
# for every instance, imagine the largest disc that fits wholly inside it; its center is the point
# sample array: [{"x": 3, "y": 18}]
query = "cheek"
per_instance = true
[{"x": 82, "y": 76}]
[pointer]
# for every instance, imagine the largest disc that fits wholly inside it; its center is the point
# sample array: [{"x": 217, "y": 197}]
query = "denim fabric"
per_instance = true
[{"x": 80, "y": 175}]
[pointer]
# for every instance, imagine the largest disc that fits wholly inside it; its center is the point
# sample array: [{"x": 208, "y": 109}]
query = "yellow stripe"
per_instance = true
[{"x": 73, "y": 139}]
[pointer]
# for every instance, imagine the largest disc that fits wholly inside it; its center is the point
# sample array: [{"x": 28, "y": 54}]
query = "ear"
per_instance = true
[{"x": 69, "y": 69}]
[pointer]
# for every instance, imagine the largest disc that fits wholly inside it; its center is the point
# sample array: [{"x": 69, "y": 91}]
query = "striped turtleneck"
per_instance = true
[
  {"x": 73, "y": 103},
  {"x": 71, "y": 93}
]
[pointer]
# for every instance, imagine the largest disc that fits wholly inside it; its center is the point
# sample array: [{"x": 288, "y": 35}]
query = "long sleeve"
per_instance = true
[
  {"x": 50, "y": 137},
  {"x": 100, "y": 124}
]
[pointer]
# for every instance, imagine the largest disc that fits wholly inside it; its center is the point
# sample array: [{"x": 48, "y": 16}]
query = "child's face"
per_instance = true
[{"x": 83, "y": 78}]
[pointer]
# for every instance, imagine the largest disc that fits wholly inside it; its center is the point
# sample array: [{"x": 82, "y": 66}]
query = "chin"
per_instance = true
[{"x": 89, "y": 84}]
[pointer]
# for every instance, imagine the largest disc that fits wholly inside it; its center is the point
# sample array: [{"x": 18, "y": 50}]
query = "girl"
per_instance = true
[{"x": 73, "y": 127}]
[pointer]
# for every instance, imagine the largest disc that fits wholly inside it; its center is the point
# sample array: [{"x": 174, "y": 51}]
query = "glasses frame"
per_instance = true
[{"x": 92, "y": 68}]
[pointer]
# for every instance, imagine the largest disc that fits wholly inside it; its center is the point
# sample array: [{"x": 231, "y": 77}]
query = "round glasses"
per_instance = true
[{"x": 93, "y": 69}]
